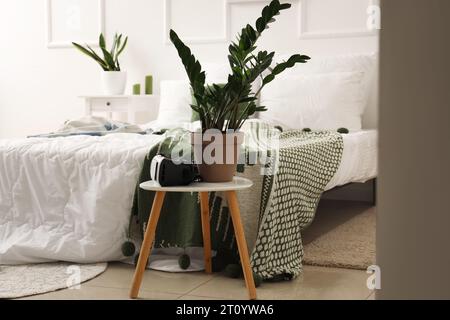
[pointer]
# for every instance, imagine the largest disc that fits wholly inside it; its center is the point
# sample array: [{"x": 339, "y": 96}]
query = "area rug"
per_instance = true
[
  {"x": 342, "y": 236},
  {"x": 31, "y": 279}
]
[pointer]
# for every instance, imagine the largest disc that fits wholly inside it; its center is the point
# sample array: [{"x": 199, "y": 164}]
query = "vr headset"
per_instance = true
[{"x": 167, "y": 173}]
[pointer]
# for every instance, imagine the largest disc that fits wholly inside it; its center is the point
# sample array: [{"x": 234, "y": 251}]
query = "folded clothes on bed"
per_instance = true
[{"x": 92, "y": 126}]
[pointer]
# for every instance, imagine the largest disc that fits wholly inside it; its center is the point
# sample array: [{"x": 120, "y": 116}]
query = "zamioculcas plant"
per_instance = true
[
  {"x": 227, "y": 106},
  {"x": 110, "y": 60}
]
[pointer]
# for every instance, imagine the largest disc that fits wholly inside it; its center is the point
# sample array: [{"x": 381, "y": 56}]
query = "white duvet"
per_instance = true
[
  {"x": 68, "y": 198},
  {"x": 359, "y": 162}
]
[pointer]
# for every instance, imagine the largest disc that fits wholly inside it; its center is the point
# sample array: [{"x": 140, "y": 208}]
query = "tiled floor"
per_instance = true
[{"x": 315, "y": 283}]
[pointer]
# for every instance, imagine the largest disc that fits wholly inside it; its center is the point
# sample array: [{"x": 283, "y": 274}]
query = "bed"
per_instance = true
[
  {"x": 60, "y": 199},
  {"x": 70, "y": 198}
]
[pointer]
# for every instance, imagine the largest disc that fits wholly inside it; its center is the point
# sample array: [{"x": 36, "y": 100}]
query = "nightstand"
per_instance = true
[
  {"x": 203, "y": 188},
  {"x": 129, "y": 104}
]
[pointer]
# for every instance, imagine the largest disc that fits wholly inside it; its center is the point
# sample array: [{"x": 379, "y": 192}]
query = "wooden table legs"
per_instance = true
[
  {"x": 238, "y": 230},
  {"x": 147, "y": 243},
  {"x": 242, "y": 243},
  {"x": 206, "y": 231}
]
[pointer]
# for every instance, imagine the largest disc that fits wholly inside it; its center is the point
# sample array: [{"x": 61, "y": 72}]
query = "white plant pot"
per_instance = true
[{"x": 114, "y": 82}]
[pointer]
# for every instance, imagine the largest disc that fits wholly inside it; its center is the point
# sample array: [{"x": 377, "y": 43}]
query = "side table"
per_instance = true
[{"x": 203, "y": 189}]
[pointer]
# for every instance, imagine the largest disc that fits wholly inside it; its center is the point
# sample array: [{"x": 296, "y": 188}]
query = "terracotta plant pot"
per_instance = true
[{"x": 217, "y": 154}]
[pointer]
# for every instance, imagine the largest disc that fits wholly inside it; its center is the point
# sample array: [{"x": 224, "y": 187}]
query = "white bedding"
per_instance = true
[
  {"x": 70, "y": 198},
  {"x": 359, "y": 159}
]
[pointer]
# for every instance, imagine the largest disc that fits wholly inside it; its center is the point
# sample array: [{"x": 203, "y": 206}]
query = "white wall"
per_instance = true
[{"x": 39, "y": 86}]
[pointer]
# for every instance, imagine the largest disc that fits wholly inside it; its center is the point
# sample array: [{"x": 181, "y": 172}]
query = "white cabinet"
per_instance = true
[{"x": 129, "y": 104}]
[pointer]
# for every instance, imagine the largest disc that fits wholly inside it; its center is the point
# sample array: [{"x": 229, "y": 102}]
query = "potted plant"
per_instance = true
[
  {"x": 223, "y": 108},
  {"x": 113, "y": 79}
]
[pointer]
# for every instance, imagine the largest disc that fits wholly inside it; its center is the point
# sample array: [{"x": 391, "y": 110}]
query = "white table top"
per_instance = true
[{"x": 238, "y": 183}]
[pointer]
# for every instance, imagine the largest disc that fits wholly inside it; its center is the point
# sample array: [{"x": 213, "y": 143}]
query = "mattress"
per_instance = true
[{"x": 359, "y": 159}]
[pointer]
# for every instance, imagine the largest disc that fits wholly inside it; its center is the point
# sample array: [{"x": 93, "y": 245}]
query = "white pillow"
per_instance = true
[
  {"x": 362, "y": 62},
  {"x": 321, "y": 102},
  {"x": 175, "y": 103}
]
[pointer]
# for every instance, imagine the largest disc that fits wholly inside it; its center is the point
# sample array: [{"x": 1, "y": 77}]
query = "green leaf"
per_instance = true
[
  {"x": 123, "y": 47},
  {"x": 247, "y": 99},
  {"x": 196, "y": 108},
  {"x": 274, "y": 7},
  {"x": 267, "y": 15},
  {"x": 278, "y": 68},
  {"x": 119, "y": 41},
  {"x": 268, "y": 79},
  {"x": 109, "y": 60},
  {"x": 191, "y": 64},
  {"x": 266, "y": 12},
  {"x": 297, "y": 58},
  {"x": 251, "y": 33},
  {"x": 260, "y": 25},
  {"x": 91, "y": 54},
  {"x": 113, "y": 48},
  {"x": 260, "y": 109},
  {"x": 101, "y": 41},
  {"x": 83, "y": 50},
  {"x": 94, "y": 53}
]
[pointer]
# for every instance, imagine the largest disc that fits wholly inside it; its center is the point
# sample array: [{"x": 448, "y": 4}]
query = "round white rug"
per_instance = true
[{"x": 30, "y": 279}]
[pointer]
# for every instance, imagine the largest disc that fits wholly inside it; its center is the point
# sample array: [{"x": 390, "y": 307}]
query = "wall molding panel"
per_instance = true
[
  {"x": 67, "y": 43},
  {"x": 303, "y": 31},
  {"x": 243, "y": 2},
  {"x": 223, "y": 37}
]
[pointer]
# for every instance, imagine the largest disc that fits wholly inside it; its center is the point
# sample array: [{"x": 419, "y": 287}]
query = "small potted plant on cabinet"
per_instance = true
[{"x": 113, "y": 78}]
